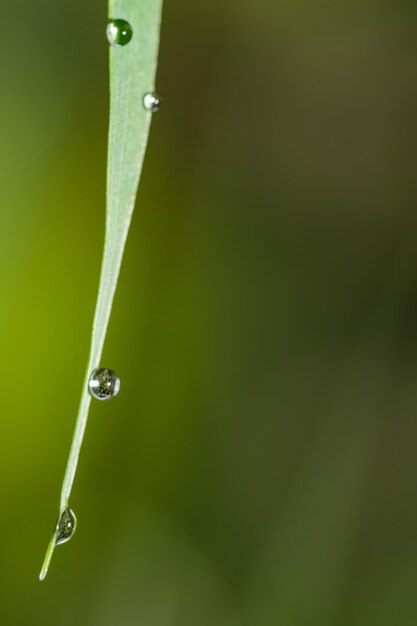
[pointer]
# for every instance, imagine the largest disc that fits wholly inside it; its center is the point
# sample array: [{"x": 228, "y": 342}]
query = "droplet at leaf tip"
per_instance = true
[
  {"x": 66, "y": 527},
  {"x": 64, "y": 530}
]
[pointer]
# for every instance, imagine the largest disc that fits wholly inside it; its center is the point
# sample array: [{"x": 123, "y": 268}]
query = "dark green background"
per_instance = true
[{"x": 259, "y": 466}]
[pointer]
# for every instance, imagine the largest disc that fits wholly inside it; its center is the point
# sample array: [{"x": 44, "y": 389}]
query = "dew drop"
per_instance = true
[
  {"x": 104, "y": 384},
  {"x": 152, "y": 102},
  {"x": 119, "y": 32},
  {"x": 66, "y": 527}
]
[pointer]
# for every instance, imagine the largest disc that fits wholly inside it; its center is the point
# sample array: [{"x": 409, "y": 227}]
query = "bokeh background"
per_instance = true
[{"x": 259, "y": 466}]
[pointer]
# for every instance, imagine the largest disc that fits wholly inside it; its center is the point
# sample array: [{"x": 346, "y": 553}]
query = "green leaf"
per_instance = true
[{"x": 132, "y": 75}]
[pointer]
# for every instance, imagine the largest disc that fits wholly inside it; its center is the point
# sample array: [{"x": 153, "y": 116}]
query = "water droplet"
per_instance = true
[
  {"x": 66, "y": 527},
  {"x": 104, "y": 384},
  {"x": 119, "y": 32},
  {"x": 152, "y": 102}
]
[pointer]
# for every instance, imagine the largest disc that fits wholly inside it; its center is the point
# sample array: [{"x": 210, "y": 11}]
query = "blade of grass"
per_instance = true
[{"x": 132, "y": 74}]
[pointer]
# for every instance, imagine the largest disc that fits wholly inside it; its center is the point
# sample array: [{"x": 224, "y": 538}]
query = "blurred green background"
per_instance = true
[{"x": 259, "y": 466}]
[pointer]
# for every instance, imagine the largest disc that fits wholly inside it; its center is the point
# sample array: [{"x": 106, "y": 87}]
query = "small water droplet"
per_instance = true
[
  {"x": 104, "y": 384},
  {"x": 119, "y": 32},
  {"x": 152, "y": 102},
  {"x": 66, "y": 527}
]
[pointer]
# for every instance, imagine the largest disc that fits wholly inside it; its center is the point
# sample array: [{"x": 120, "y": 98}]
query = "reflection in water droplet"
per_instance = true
[
  {"x": 104, "y": 384},
  {"x": 119, "y": 32},
  {"x": 66, "y": 527},
  {"x": 152, "y": 102}
]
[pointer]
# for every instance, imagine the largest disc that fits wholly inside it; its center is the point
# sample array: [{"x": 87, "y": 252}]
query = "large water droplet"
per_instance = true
[
  {"x": 104, "y": 384},
  {"x": 152, "y": 102},
  {"x": 119, "y": 32},
  {"x": 66, "y": 527}
]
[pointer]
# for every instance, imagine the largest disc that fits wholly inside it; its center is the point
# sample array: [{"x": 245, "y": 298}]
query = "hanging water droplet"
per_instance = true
[
  {"x": 152, "y": 102},
  {"x": 104, "y": 384},
  {"x": 66, "y": 527},
  {"x": 119, "y": 32}
]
